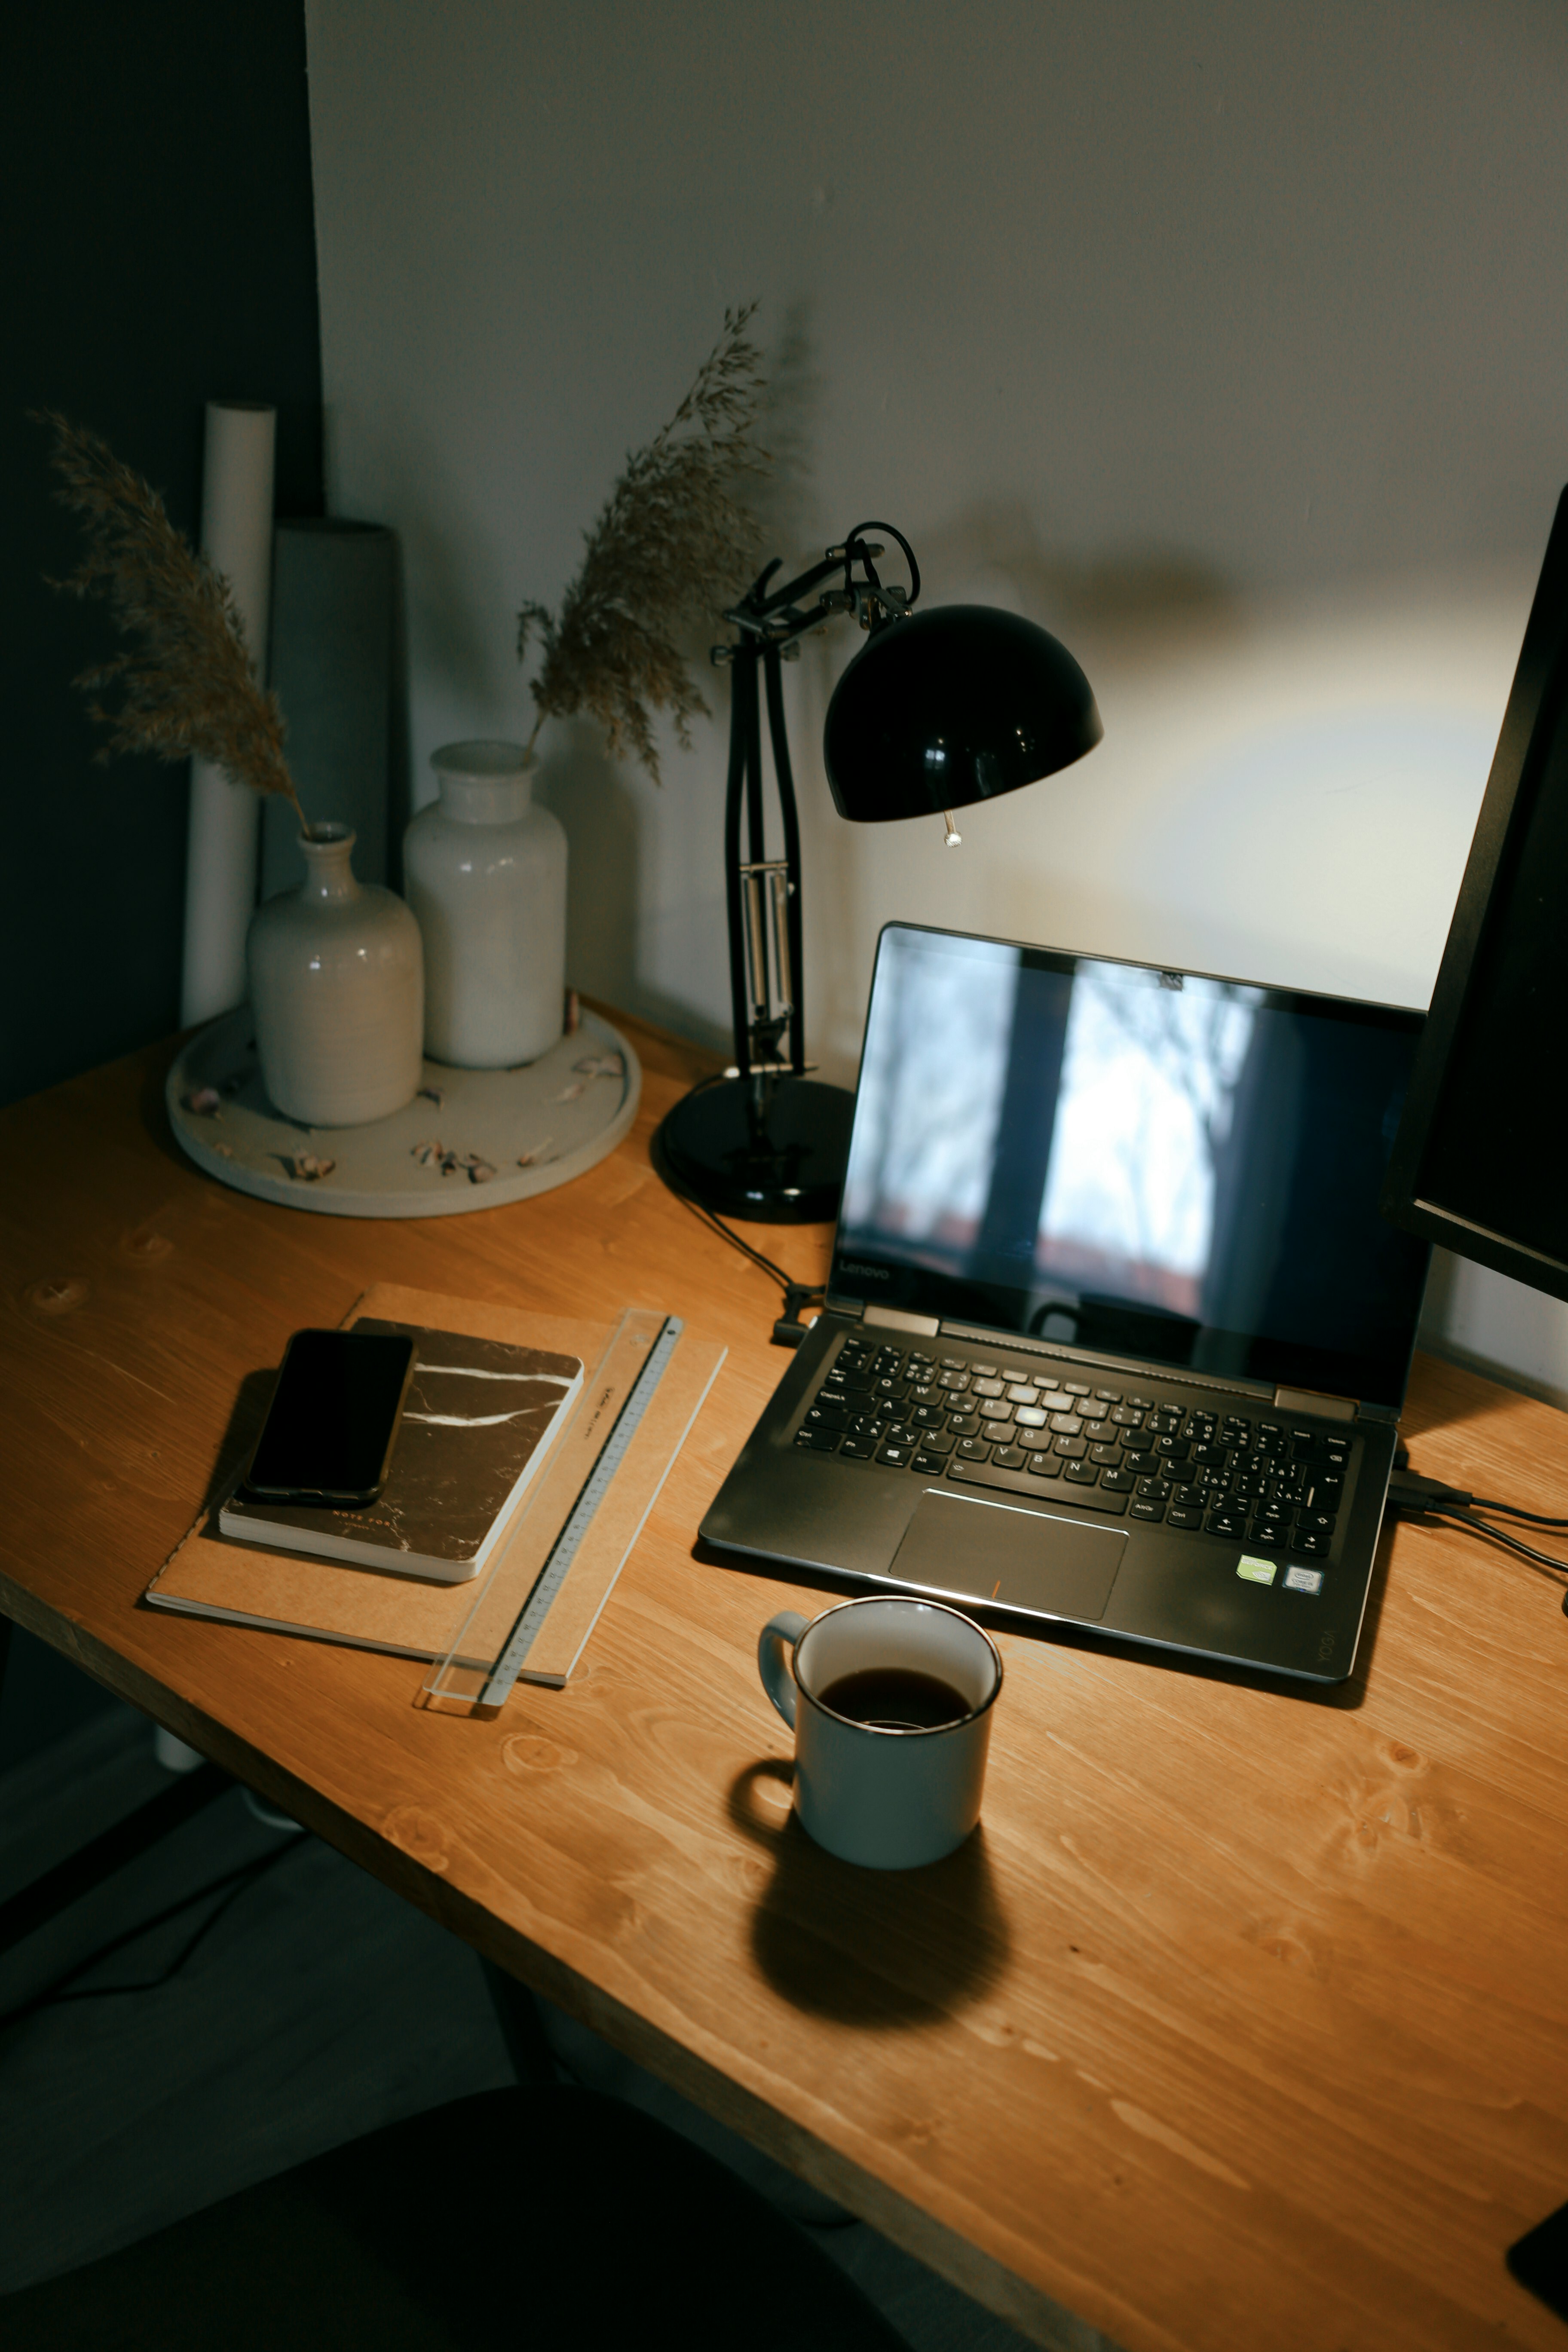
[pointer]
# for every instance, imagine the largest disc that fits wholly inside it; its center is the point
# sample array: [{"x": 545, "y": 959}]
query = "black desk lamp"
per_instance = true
[{"x": 937, "y": 710}]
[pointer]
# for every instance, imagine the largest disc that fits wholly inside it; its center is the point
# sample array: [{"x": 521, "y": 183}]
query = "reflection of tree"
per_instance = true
[
  {"x": 935, "y": 1076},
  {"x": 1196, "y": 1042}
]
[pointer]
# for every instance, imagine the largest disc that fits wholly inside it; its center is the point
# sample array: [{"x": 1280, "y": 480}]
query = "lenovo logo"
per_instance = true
[{"x": 877, "y": 1272}]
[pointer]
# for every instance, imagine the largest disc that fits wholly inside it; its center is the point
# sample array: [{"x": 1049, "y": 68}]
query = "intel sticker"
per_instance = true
[
  {"x": 1303, "y": 1579},
  {"x": 1256, "y": 1571}
]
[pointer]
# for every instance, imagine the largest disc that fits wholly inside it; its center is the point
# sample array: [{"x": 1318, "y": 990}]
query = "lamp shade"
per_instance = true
[{"x": 957, "y": 704}]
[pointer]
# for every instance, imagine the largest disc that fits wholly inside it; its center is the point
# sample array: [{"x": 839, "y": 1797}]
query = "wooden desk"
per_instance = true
[{"x": 1242, "y": 2023}]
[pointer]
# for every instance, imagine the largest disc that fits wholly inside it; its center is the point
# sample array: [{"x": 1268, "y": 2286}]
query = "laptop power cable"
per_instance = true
[
  {"x": 1411, "y": 1497},
  {"x": 790, "y": 1328}
]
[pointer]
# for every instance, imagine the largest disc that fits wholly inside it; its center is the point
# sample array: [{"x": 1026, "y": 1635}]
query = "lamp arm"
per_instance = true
[{"x": 775, "y": 618}]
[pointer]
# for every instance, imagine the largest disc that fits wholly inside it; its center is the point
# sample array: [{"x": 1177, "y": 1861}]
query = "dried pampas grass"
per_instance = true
[
  {"x": 189, "y": 685},
  {"x": 672, "y": 545}
]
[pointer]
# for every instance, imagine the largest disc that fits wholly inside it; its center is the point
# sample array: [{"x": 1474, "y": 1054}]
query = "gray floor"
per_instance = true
[{"x": 319, "y": 2007}]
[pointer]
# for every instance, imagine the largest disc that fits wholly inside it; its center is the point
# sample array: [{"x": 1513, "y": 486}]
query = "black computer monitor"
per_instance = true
[{"x": 1479, "y": 1163}]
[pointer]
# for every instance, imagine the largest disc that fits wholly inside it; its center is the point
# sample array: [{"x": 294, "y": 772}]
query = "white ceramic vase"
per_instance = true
[
  {"x": 485, "y": 872},
  {"x": 337, "y": 988}
]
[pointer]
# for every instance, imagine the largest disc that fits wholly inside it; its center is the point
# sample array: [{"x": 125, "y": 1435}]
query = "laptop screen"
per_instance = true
[{"x": 1148, "y": 1164}]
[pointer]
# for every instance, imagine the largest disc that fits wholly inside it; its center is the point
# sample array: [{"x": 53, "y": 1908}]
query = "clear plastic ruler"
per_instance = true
[{"x": 543, "y": 1592}]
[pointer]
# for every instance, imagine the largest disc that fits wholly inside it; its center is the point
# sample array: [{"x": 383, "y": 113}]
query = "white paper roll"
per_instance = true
[{"x": 220, "y": 867}]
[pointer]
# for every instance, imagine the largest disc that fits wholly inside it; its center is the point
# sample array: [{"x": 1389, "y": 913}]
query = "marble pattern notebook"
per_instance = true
[{"x": 478, "y": 1423}]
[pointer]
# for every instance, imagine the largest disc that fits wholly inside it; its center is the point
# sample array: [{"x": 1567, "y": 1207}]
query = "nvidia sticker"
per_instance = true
[{"x": 1256, "y": 1571}]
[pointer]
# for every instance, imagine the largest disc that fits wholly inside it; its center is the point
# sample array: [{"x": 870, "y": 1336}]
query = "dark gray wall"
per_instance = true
[{"x": 160, "y": 251}]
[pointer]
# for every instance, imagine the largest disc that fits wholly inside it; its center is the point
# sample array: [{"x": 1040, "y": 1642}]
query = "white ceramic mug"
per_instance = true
[{"x": 883, "y": 1791}]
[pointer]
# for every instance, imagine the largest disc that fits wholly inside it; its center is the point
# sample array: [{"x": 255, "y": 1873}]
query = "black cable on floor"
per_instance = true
[{"x": 231, "y": 1885}]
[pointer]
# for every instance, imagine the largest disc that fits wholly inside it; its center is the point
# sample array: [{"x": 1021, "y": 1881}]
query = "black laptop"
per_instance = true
[{"x": 1115, "y": 1334}]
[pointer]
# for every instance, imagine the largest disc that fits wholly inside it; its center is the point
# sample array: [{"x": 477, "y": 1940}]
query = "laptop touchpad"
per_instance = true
[{"x": 1018, "y": 1558}]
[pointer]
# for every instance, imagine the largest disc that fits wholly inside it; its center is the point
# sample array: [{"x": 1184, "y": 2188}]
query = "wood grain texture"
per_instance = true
[{"x": 1242, "y": 2021}]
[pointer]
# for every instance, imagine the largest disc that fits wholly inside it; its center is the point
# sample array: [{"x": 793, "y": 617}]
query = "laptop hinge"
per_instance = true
[
  {"x": 893, "y": 1319},
  {"x": 1326, "y": 1408}
]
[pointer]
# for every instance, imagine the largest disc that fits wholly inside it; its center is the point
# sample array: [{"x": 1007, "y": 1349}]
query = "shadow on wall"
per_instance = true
[
  {"x": 1149, "y": 601},
  {"x": 581, "y": 781},
  {"x": 789, "y": 429}
]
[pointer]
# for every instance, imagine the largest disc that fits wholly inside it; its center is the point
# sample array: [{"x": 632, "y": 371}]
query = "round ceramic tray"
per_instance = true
[{"x": 469, "y": 1139}]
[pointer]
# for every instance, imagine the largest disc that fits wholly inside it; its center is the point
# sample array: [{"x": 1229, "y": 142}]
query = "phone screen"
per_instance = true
[{"x": 335, "y": 1413}]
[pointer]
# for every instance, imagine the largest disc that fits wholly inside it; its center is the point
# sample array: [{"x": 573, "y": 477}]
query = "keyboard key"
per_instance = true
[
  {"x": 1153, "y": 1512},
  {"x": 1071, "y": 1449},
  {"x": 935, "y": 1441},
  {"x": 988, "y": 1388},
  {"x": 916, "y": 1361},
  {"x": 1139, "y": 1404},
  {"x": 1172, "y": 1449},
  {"x": 1092, "y": 1410},
  {"x": 831, "y": 1415},
  {"x": 897, "y": 1457},
  {"x": 956, "y": 1381},
  {"x": 1229, "y": 1523},
  {"x": 1024, "y": 1482},
  {"x": 1046, "y": 1383},
  {"x": 817, "y": 1441},
  {"x": 1019, "y": 1395},
  {"x": 1191, "y": 1497},
  {"x": 928, "y": 1416},
  {"x": 1066, "y": 1425},
  {"x": 964, "y": 1424},
  {"x": 973, "y": 1449},
  {"x": 1074, "y": 1387},
  {"x": 1143, "y": 1464},
  {"x": 1011, "y": 1457},
  {"x": 996, "y": 1433},
  {"x": 1029, "y": 1416},
  {"x": 1213, "y": 1457},
  {"x": 1109, "y": 1456},
  {"x": 1120, "y": 1481},
  {"x": 1082, "y": 1473},
  {"x": 1154, "y": 1490},
  {"x": 1314, "y": 1523},
  {"x": 1310, "y": 1546},
  {"x": 1182, "y": 1515},
  {"x": 930, "y": 1465},
  {"x": 1127, "y": 1417},
  {"x": 985, "y": 1371},
  {"x": 952, "y": 1363},
  {"x": 858, "y": 1449},
  {"x": 1044, "y": 1465},
  {"x": 1109, "y": 1396}
]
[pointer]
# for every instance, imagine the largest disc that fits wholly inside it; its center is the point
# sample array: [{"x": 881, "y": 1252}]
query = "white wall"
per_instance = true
[{"x": 1227, "y": 340}]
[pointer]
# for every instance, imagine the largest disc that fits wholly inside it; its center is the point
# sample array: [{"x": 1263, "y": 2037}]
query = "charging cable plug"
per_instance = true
[{"x": 1410, "y": 1497}]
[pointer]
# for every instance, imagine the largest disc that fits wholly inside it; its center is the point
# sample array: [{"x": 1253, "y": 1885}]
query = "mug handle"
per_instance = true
[{"x": 772, "y": 1664}]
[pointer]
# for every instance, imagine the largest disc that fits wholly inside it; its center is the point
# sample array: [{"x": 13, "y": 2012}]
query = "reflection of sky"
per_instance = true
[
  {"x": 1145, "y": 1098},
  {"x": 930, "y": 1088}
]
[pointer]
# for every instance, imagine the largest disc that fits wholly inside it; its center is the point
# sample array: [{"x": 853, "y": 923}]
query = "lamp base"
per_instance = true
[{"x": 772, "y": 1148}]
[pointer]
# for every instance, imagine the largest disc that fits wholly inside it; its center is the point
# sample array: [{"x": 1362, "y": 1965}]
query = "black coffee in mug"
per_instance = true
[{"x": 895, "y": 1698}]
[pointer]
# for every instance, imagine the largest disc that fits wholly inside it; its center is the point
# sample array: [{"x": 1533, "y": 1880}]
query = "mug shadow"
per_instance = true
[{"x": 868, "y": 1947}]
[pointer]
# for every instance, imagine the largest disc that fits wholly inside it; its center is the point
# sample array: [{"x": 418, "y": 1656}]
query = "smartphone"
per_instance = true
[{"x": 333, "y": 1419}]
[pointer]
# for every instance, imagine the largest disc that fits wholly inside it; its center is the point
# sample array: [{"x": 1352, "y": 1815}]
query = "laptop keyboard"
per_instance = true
[{"x": 1181, "y": 1461}]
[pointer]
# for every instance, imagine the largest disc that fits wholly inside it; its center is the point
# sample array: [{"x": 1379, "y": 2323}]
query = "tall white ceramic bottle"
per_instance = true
[
  {"x": 485, "y": 872},
  {"x": 337, "y": 990}
]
